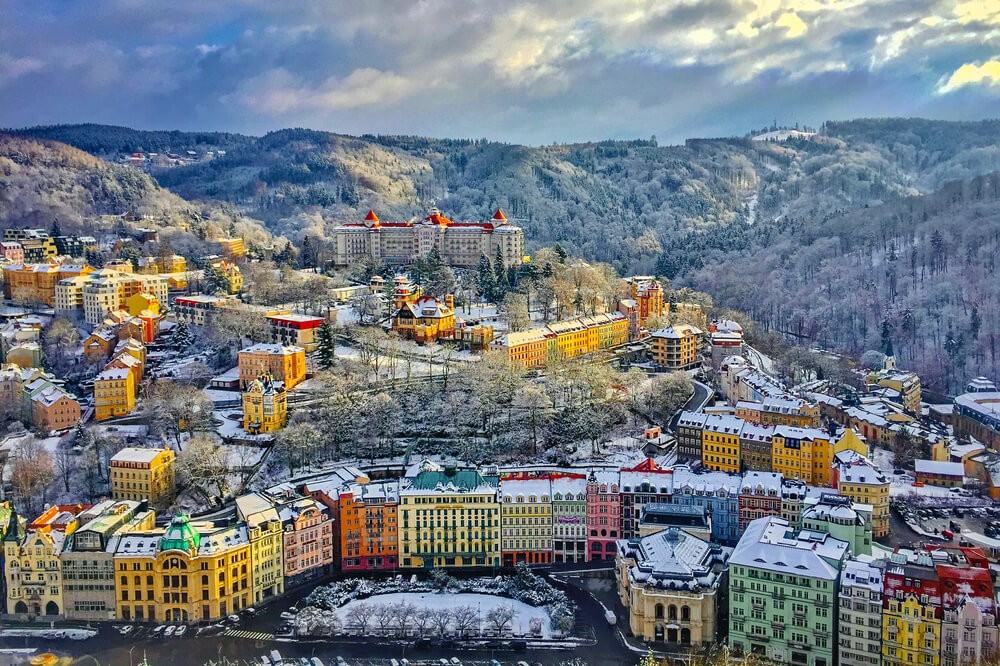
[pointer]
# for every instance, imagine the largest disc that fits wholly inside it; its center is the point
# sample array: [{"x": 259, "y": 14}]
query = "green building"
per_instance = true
[
  {"x": 842, "y": 519},
  {"x": 783, "y": 593}
]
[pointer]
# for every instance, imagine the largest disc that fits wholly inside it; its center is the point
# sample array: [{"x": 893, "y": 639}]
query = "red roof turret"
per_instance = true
[
  {"x": 371, "y": 216},
  {"x": 499, "y": 215}
]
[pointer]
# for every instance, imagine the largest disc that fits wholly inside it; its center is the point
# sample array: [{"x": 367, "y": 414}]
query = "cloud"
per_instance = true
[
  {"x": 280, "y": 92},
  {"x": 15, "y": 68},
  {"x": 972, "y": 74},
  {"x": 536, "y": 71}
]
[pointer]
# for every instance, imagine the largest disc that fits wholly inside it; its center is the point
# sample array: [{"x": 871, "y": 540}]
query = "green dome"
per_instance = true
[{"x": 180, "y": 535}]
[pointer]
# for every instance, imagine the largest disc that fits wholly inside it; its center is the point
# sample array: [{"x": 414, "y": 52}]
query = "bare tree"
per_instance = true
[
  {"x": 403, "y": 615},
  {"x": 500, "y": 617},
  {"x": 171, "y": 408},
  {"x": 30, "y": 473},
  {"x": 360, "y": 616},
  {"x": 440, "y": 618},
  {"x": 465, "y": 617},
  {"x": 384, "y": 615},
  {"x": 420, "y": 621},
  {"x": 203, "y": 464},
  {"x": 65, "y": 464}
]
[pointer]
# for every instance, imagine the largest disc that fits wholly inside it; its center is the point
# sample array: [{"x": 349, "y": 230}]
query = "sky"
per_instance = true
[{"x": 524, "y": 72}]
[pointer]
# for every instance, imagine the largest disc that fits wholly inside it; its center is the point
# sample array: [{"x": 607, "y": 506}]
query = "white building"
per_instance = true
[{"x": 860, "y": 602}]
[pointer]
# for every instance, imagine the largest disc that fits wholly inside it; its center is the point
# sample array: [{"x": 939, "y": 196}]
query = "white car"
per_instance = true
[
  {"x": 169, "y": 631},
  {"x": 181, "y": 630}
]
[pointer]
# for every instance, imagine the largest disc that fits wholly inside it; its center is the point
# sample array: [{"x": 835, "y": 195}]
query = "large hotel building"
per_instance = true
[{"x": 458, "y": 243}]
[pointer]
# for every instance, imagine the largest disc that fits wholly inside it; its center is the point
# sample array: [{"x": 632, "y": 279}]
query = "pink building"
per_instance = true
[
  {"x": 603, "y": 514},
  {"x": 308, "y": 539},
  {"x": 12, "y": 252}
]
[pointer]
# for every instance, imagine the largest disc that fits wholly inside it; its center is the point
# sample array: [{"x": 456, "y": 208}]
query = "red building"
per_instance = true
[
  {"x": 760, "y": 496},
  {"x": 603, "y": 515}
]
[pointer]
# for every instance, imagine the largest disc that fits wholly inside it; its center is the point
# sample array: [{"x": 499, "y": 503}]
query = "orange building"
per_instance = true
[
  {"x": 36, "y": 283},
  {"x": 368, "y": 520},
  {"x": 648, "y": 296},
  {"x": 54, "y": 409},
  {"x": 98, "y": 347},
  {"x": 285, "y": 364}
]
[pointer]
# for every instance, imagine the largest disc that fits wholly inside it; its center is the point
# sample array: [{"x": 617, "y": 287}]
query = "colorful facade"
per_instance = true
[
  {"x": 569, "y": 518},
  {"x": 604, "y": 514},
  {"x": 857, "y": 477},
  {"x": 675, "y": 347},
  {"x": 265, "y": 533},
  {"x": 721, "y": 444},
  {"x": 564, "y": 339},
  {"x": 425, "y": 319},
  {"x": 369, "y": 526},
  {"x": 286, "y": 364},
  {"x": 139, "y": 474},
  {"x": 803, "y": 453},
  {"x": 114, "y": 393},
  {"x": 449, "y": 517},
  {"x": 526, "y": 521},
  {"x": 783, "y": 593},
  {"x": 265, "y": 406},
  {"x": 186, "y": 572},
  {"x": 295, "y": 330}
]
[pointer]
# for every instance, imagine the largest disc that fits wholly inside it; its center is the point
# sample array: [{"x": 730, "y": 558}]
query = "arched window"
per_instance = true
[
  {"x": 685, "y": 613},
  {"x": 21, "y": 607},
  {"x": 685, "y": 636},
  {"x": 52, "y": 608},
  {"x": 672, "y": 612},
  {"x": 659, "y": 611}
]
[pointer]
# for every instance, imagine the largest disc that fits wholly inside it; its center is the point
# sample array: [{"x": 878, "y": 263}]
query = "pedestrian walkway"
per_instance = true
[{"x": 249, "y": 635}]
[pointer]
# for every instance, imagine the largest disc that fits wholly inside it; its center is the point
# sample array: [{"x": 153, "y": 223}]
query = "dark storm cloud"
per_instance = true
[{"x": 520, "y": 71}]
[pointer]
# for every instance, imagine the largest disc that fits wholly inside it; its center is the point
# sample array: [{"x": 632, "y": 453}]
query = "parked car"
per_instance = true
[
  {"x": 234, "y": 619},
  {"x": 181, "y": 630},
  {"x": 158, "y": 630},
  {"x": 948, "y": 534},
  {"x": 169, "y": 631},
  {"x": 125, "y": 630}
]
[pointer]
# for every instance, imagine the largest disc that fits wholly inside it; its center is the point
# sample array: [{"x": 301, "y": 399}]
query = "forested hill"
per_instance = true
[
  {"x": 920, "y": 272},
  {"x": 43, "y": 181},
  {"x": 637, "y": 205}
]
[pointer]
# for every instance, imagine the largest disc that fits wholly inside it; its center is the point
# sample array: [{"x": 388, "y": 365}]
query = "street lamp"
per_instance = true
[{"x": 130, "y": 655}]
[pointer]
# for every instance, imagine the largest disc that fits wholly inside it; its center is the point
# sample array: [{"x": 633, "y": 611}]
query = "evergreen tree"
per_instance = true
[
  {"x": 181, "y": 337},
  {"x": 561, "y": 253},
  {"x": 975, "y": 323},
  {"x": 501, "y": 284},
  {"x": 887, "y": 338},
  {"x": 485, "y": 280},
  {"x": 55, "y": 230},
  {"x": 216, "y": 281},
  {"x": 308, "y": 255},
  {"x": 389, "y": 297},
  {"x": 327, "y": 346}
]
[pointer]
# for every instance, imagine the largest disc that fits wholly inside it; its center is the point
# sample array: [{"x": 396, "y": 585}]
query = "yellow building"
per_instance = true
[
  {"x": 265, "y": 406},
  {"x": 114, "y": 393},
  {"x": 36, "y": 283},
  {"x": 911, "y": 632},
  {"x": 565, "y": 339},
  {"x": 137, "y": 303},
  {"x": 234, "y": 248},
  {"x": 802, "y": 453},
  {"x": 32, "y": 569},
  {"x": 187, "y": 572},
  {"x": 232, "y": 272},
  {"x": 526, "y": 520},
  {"x": 907, "y": 384},
  {"x": 788, "y": 410},
  {"x": 425, "y": 319},
  {"x": 675, "y": 347},
  {"x": 143, "y": 474},
  {"x": 449, "y": 517},
  {"x": 285, "y": 364},
  {"x": 857, "y": 477},
  {"x": 720, "y": 443},
  {"x": 172, "y": 264},
  {"x": 265, "y": 533}
]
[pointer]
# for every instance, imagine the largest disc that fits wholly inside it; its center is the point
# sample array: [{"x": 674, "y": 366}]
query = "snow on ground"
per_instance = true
[
  {"x": 521, "y": 624},
  {"x": 231, "y": 428},
  {"x": 239, "y": 456},
  {"x": 782, "y": 135}
]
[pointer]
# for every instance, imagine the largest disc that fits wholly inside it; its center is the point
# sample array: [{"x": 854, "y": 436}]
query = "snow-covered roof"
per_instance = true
[
  {"x": 939, "y": 467},
  {"x": 762, "y": 481},
  {"x": 858, "y": 573},
  {"x": 275, "y": 349},
  {"x": 112, "y": 373},
  {"x": 512, "y": 489},
  {"x": 770, "y": 543},
  {"x": 135, "y": 454},
  {"x": 852, "y": 467},
  {"x": 675, "y": 559}
]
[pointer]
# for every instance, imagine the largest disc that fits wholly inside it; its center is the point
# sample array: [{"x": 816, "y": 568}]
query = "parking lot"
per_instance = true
[{"x": 952, "y": 521}]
